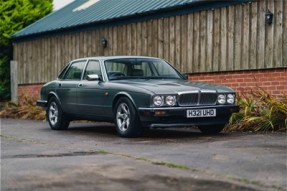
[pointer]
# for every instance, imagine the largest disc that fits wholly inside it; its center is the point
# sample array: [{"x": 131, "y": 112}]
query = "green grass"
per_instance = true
[
  {"x": 171, "y": 165},
  {"x": 154, "y": 162},
  {"x": 163, "y": 163},
  {"x": 103, "y": 152}
]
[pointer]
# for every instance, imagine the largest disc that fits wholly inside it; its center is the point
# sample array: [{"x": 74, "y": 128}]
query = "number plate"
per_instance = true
[{"x": 192, "y": 113}]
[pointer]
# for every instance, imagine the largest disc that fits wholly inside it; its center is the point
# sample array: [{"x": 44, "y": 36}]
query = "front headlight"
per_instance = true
[
  {"x": 170, "y": 100},
  {"x": 221, "y": 99},
  {"x": 158, "y": 100},
  {"x": 230, "y": 98}
]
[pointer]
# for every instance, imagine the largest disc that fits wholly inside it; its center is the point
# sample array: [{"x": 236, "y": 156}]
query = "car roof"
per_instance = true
[{"x": 114, "y": 57}]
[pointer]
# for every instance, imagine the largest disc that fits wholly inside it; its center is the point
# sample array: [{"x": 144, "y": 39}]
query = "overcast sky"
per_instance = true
[{"x": 60, "y": 3}]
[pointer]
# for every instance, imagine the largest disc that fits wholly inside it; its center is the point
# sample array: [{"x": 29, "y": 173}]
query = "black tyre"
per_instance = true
[
  {"x": 126, "y": 119},
  {"x": 55, "y": 116},
  {"x": 211, "y": 129}
]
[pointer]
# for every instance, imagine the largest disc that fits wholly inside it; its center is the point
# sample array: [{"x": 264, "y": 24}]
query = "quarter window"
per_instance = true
[
  {"x": 75, "y": 71},
  {"x": 61, "y": 75}
]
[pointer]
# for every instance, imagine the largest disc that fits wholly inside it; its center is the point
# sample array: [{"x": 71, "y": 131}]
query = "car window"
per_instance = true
[
  {"x": 61, "y": 75},
  {"x": 139, "y": 68},
  {"x": 164, "y": 69},
  {"x": 145, "y": 67},
  {"x": 115, "y": 68},
  {"x": 75, "y": 71},
  {"x": 93, "y": 67}
]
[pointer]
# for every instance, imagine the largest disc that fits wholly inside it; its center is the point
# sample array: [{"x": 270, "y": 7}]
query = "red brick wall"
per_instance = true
[
  {"x": 273, "y": 81},
  {"x": 31, "y": 90}
]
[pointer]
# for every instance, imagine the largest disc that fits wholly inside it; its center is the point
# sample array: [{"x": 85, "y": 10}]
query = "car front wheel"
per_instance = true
[
  {"x": 211, "y": 129},
  {"x": 126, "y": 119},
  {"x": 55, "y": 116}
]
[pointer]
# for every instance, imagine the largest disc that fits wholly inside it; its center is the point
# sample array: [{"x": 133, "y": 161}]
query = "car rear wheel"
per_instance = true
[
  {"x": 126, "y": 119},
  {"x": 211, "y": 129},
  {"x": 55, "y": 116}
]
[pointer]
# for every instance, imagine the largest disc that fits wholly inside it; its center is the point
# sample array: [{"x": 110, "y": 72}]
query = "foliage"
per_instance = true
[
  {"x": 15, "y": 15},
  {"x": 26, "y": 109},
  {"x": 4, "y": 78},
  {"x": 260, "y": 111}
]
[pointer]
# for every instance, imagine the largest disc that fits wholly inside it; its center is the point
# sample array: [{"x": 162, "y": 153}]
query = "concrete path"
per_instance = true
[{"x": 90, "y": 156}]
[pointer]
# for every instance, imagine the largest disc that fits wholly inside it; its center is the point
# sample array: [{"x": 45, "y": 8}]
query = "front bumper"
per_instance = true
[
  {"x": 176, "y": 116},
  {"x": 42, "y": 103}
]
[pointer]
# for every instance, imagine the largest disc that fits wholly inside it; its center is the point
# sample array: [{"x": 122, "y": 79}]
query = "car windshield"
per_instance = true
[{"x": 134, "y": 68}]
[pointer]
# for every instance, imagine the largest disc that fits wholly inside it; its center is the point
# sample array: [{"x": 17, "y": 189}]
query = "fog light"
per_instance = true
[{"x": 159, "y": 113}]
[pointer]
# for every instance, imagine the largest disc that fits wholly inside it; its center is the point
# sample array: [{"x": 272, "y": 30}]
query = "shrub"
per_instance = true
[
  {"x": 14, "y": 16},
  {"x": 26, "y": 109},
  {"x": 259, "y": 111}
]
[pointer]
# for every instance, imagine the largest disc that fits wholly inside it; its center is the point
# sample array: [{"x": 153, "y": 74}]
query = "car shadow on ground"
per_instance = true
[{"x": 108, "y": 130}]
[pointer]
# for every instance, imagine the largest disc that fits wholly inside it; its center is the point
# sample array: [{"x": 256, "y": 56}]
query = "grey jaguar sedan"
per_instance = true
[{"x": 134, "y": 92}]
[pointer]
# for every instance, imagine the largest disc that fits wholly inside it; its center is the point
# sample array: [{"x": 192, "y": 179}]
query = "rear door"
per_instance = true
[{"x": 67, "y": 86}]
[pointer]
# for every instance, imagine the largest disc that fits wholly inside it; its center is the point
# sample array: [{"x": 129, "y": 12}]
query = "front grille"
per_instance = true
[
  {"x": 201, "y": 98},
  {"x": 188, "y": 99},
  {"x": 208, "y": 99}
]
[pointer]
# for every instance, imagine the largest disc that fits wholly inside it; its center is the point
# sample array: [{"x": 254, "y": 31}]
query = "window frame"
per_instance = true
[
  {"x": 70, "y": 65},
  {"x": 85, "y": 68}
]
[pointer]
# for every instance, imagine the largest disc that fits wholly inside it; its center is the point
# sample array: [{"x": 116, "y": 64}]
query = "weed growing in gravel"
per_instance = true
[
  {"x": 170, "y": 165},
  {"x": 260, "y": 111}
]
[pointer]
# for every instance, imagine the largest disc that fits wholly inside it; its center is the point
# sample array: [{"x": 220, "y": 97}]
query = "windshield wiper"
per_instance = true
[{"x": 144, "y": 77}]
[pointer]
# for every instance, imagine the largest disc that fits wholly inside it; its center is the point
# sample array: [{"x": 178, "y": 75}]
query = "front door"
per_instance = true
[{"x": 91, "y": 93}]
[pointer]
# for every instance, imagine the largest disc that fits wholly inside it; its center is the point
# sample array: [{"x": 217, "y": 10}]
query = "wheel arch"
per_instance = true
[
  {"x": 53, "y": 94},
  {"x": 120, "y": 95}
]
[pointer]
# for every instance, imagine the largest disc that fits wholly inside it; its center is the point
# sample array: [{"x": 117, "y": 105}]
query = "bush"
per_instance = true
[
  {"x": 4, "y": 78},
  {"x": 26, "y": 109},
  {"x": 259, "y": 111},
  {"x": 14, "y": 16}
]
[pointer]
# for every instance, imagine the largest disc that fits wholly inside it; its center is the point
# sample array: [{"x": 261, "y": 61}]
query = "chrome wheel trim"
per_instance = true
[
  {"x": 123, "y": 117},
  {"x": 53, "y": 113}
]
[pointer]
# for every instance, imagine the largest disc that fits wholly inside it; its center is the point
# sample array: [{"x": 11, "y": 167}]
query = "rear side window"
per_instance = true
[{"x": 75, "y": 71}]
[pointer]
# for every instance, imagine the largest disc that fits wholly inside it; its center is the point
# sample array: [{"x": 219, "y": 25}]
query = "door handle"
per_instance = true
[
  {"x": 60, "y": 84},
  {"x": 80, "y": 85}
]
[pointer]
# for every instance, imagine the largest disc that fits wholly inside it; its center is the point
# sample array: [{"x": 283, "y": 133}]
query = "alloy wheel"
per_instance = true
[
  {"x": 53, "y": 113},
  {"x": 123, "y": 117}
]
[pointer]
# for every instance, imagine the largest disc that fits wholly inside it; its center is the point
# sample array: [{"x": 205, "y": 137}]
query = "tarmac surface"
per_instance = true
[{"x": 90, "y": 156}]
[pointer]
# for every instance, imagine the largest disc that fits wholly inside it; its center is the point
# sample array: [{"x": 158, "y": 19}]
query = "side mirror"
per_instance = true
[{"x": 93, "y": 77}]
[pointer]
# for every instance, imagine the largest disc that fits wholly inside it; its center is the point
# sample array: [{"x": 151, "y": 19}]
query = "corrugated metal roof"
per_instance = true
[{"x": 84, "y": 12}]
